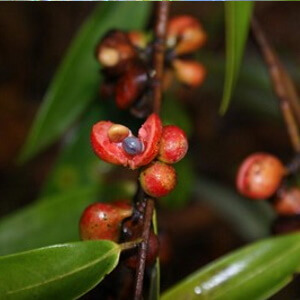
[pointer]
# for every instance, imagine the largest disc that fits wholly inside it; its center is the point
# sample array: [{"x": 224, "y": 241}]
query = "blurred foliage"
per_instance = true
[
  {"x": 174, "y": 113},
  {"x": 251, "y": 220},
  {"x": 185, "y": 181},
  {"x": 70, "y": 91},
  {"x": 50, "y": 221},
  {"x": 76, "y": 164}
]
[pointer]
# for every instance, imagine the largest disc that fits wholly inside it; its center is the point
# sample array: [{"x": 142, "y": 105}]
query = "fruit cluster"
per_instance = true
[
  {"x": 155, "y": 147},
  {"x": 261, "y": 176},
  {"x": 125, "y": 59},
  {"x": 128, "y": 78}
]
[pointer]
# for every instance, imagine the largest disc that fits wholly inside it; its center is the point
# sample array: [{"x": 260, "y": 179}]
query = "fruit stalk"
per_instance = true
[
  {"x": 161, "y": 20},
  {"x": 282, "y": 85},
  {"x": 143, "y": 248}
]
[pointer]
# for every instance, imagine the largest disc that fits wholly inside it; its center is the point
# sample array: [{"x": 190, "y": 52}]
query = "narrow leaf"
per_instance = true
[
  {"x": 237, "y": 19},
  {"x": 76, "y": 164},
  {"x": 254, "y": 272},
  {"x": 76, "y": 82},
  {"x": 51, "y": 221},
  {"x": 64, "y": 271},
  {"x": 154, "y": 291}
]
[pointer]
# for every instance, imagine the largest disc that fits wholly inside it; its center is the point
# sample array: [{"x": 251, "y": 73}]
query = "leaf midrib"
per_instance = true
[{"x": 76, "y": 270}]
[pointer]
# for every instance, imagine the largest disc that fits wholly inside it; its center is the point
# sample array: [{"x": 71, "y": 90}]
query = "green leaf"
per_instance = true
[
  {"x": 254, "y": 93},
  {"x": 254, "y": 272},
  {"x": 51, "y": 221},
  {"x": 76, "y": 164},
  {"x": 237, "y": 19},
  {"x": 76, "y": 82},
  {"x": 64, "y": 271},
  {"x": 250, "y": 220},
  {"x": 154, "y": 291}
]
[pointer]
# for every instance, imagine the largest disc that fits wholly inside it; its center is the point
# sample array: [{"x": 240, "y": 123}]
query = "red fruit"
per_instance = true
[
  {"x": 112, "y": 152},
  {"x": 158, "y": 180},
  {"x": 130, "y": 86},
  {"x": 173, "y": 144},
  {"x": 259, "y": 176},
  {"x": 190, "y": 72},
  {"x": 288, "y": 202},
  {"x": 185, "y": 34},
  {"x": 102, "y": 221},
  {"x": 114, "y": 49},
  {"x": 138, "y": 39},
  {"x": 151, "y": 254}
]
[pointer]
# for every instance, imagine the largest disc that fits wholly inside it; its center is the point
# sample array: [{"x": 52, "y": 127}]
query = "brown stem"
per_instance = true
[
  {"x": 143, "y": 249},
  {"x": 161, "y": 20},
  {"x": 162, "y": 15},
  {"x": 282, "y": 85}
]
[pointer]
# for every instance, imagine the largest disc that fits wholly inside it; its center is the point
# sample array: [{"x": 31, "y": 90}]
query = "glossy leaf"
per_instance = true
[
  {"x": 250, "y": 220},
  {"x": 76, "y": 82},
  {"x": 237, "y": 19},
  {"x": 254, "y": 272},
  {"x": 51, "y": 221},
  {"x": 64, "y": 271}
]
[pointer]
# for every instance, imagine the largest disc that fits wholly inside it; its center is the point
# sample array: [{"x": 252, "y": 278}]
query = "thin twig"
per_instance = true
[
  {"x": 143, "y": 249},
  {"x": 162, "y": 15},
  {"x": 282, "y": 84}
]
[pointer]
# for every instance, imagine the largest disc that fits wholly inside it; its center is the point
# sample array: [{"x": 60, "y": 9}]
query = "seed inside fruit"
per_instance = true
[
  {"x": 132, "y": 145},
  {"x": 117, "y": 133}
]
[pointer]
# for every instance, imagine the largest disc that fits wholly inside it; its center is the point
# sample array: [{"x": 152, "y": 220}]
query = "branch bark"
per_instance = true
[
  {"x": 162, "y": 15},
  {"x": 161, "y": 20},
  {"x": 140, "y": 271}
]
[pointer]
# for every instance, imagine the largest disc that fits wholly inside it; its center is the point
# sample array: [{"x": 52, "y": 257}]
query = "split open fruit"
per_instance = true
[{"x": 113, "y": 152}]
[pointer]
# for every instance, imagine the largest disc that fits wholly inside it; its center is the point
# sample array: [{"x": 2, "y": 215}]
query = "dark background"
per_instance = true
[{"x": 33, "y": 40}]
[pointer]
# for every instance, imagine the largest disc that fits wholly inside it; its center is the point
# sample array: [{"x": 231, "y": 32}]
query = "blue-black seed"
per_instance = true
[{"x": 132, "y": 145}]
